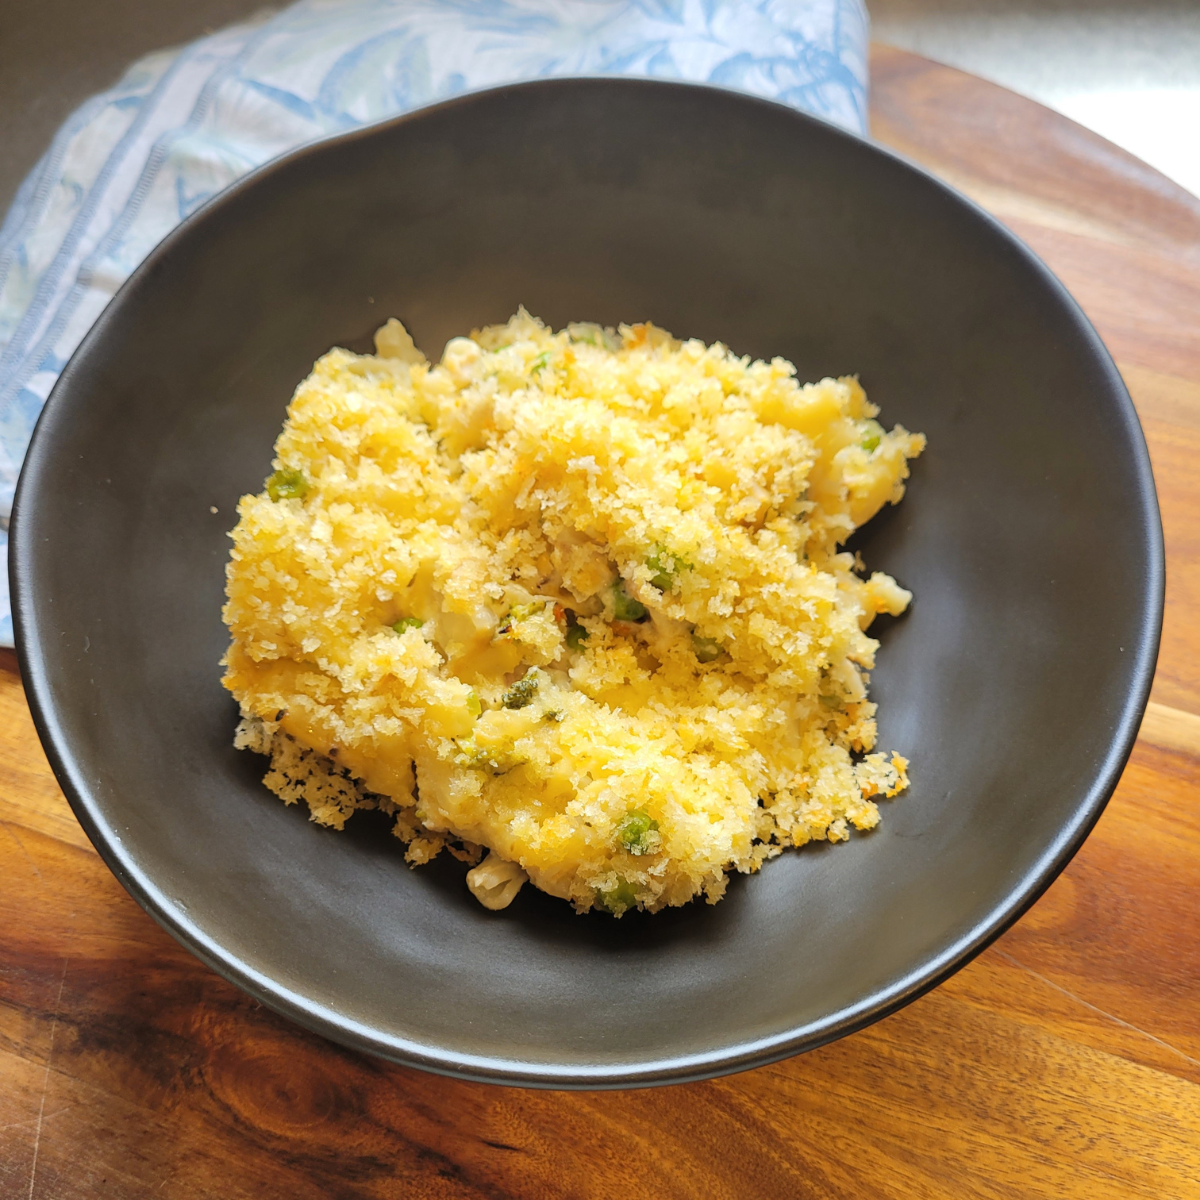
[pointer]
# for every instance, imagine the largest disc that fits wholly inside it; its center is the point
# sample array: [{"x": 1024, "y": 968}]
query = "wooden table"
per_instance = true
[{"x": 1063, "y": 1062}]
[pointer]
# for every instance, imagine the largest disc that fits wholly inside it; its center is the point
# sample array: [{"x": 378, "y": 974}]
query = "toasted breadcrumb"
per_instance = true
[{"x": 574, "y": 598}]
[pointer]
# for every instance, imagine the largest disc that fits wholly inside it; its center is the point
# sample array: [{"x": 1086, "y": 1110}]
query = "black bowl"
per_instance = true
[{"x": 1030, "y": 536}]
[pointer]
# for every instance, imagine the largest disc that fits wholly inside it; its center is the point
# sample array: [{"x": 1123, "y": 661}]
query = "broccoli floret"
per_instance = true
[{"x": 521, "y": 693}]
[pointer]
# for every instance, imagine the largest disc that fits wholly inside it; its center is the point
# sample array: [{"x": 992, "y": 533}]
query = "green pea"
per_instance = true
[
  {"x": 625, "y": 607},
  {"x": 287, "y": 484},
  {"x": 638, "y": 832},
  {"x": 408, "y": 623},
  {"x": 666, "y": 567},
  {"x": 618, "y": 898},
  {"x": 706, "y": 649},
  {"x": 521, "y": 693},
  {"x": 593, "y": 335},
  {"x": 576, "y": 636},
  {"x": 872, "y": 435}
]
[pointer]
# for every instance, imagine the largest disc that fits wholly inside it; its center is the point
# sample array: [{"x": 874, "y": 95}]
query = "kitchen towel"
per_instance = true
[{"x": 182, "y": 124}]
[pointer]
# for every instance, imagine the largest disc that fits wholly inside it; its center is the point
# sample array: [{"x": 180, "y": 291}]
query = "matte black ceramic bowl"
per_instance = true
[{"x": 1030, "y": 536}]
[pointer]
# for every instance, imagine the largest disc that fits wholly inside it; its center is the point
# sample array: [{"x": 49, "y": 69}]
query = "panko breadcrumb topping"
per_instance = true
[{"x": 571, "y": 599}]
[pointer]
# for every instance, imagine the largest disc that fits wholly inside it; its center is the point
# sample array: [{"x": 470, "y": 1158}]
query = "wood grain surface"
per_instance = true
[{"x": 1063, "y": 1062}]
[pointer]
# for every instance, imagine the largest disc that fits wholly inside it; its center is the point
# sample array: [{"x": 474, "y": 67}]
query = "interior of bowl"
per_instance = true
[{"x": 1029, "y": 536}]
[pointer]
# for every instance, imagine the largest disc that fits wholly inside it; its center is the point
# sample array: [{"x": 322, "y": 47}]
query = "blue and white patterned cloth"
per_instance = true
[{"x": 130, "y": 164}]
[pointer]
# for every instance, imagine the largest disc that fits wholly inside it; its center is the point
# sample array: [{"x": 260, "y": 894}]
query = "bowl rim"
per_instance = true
[{"x": 25, "y": 542}]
